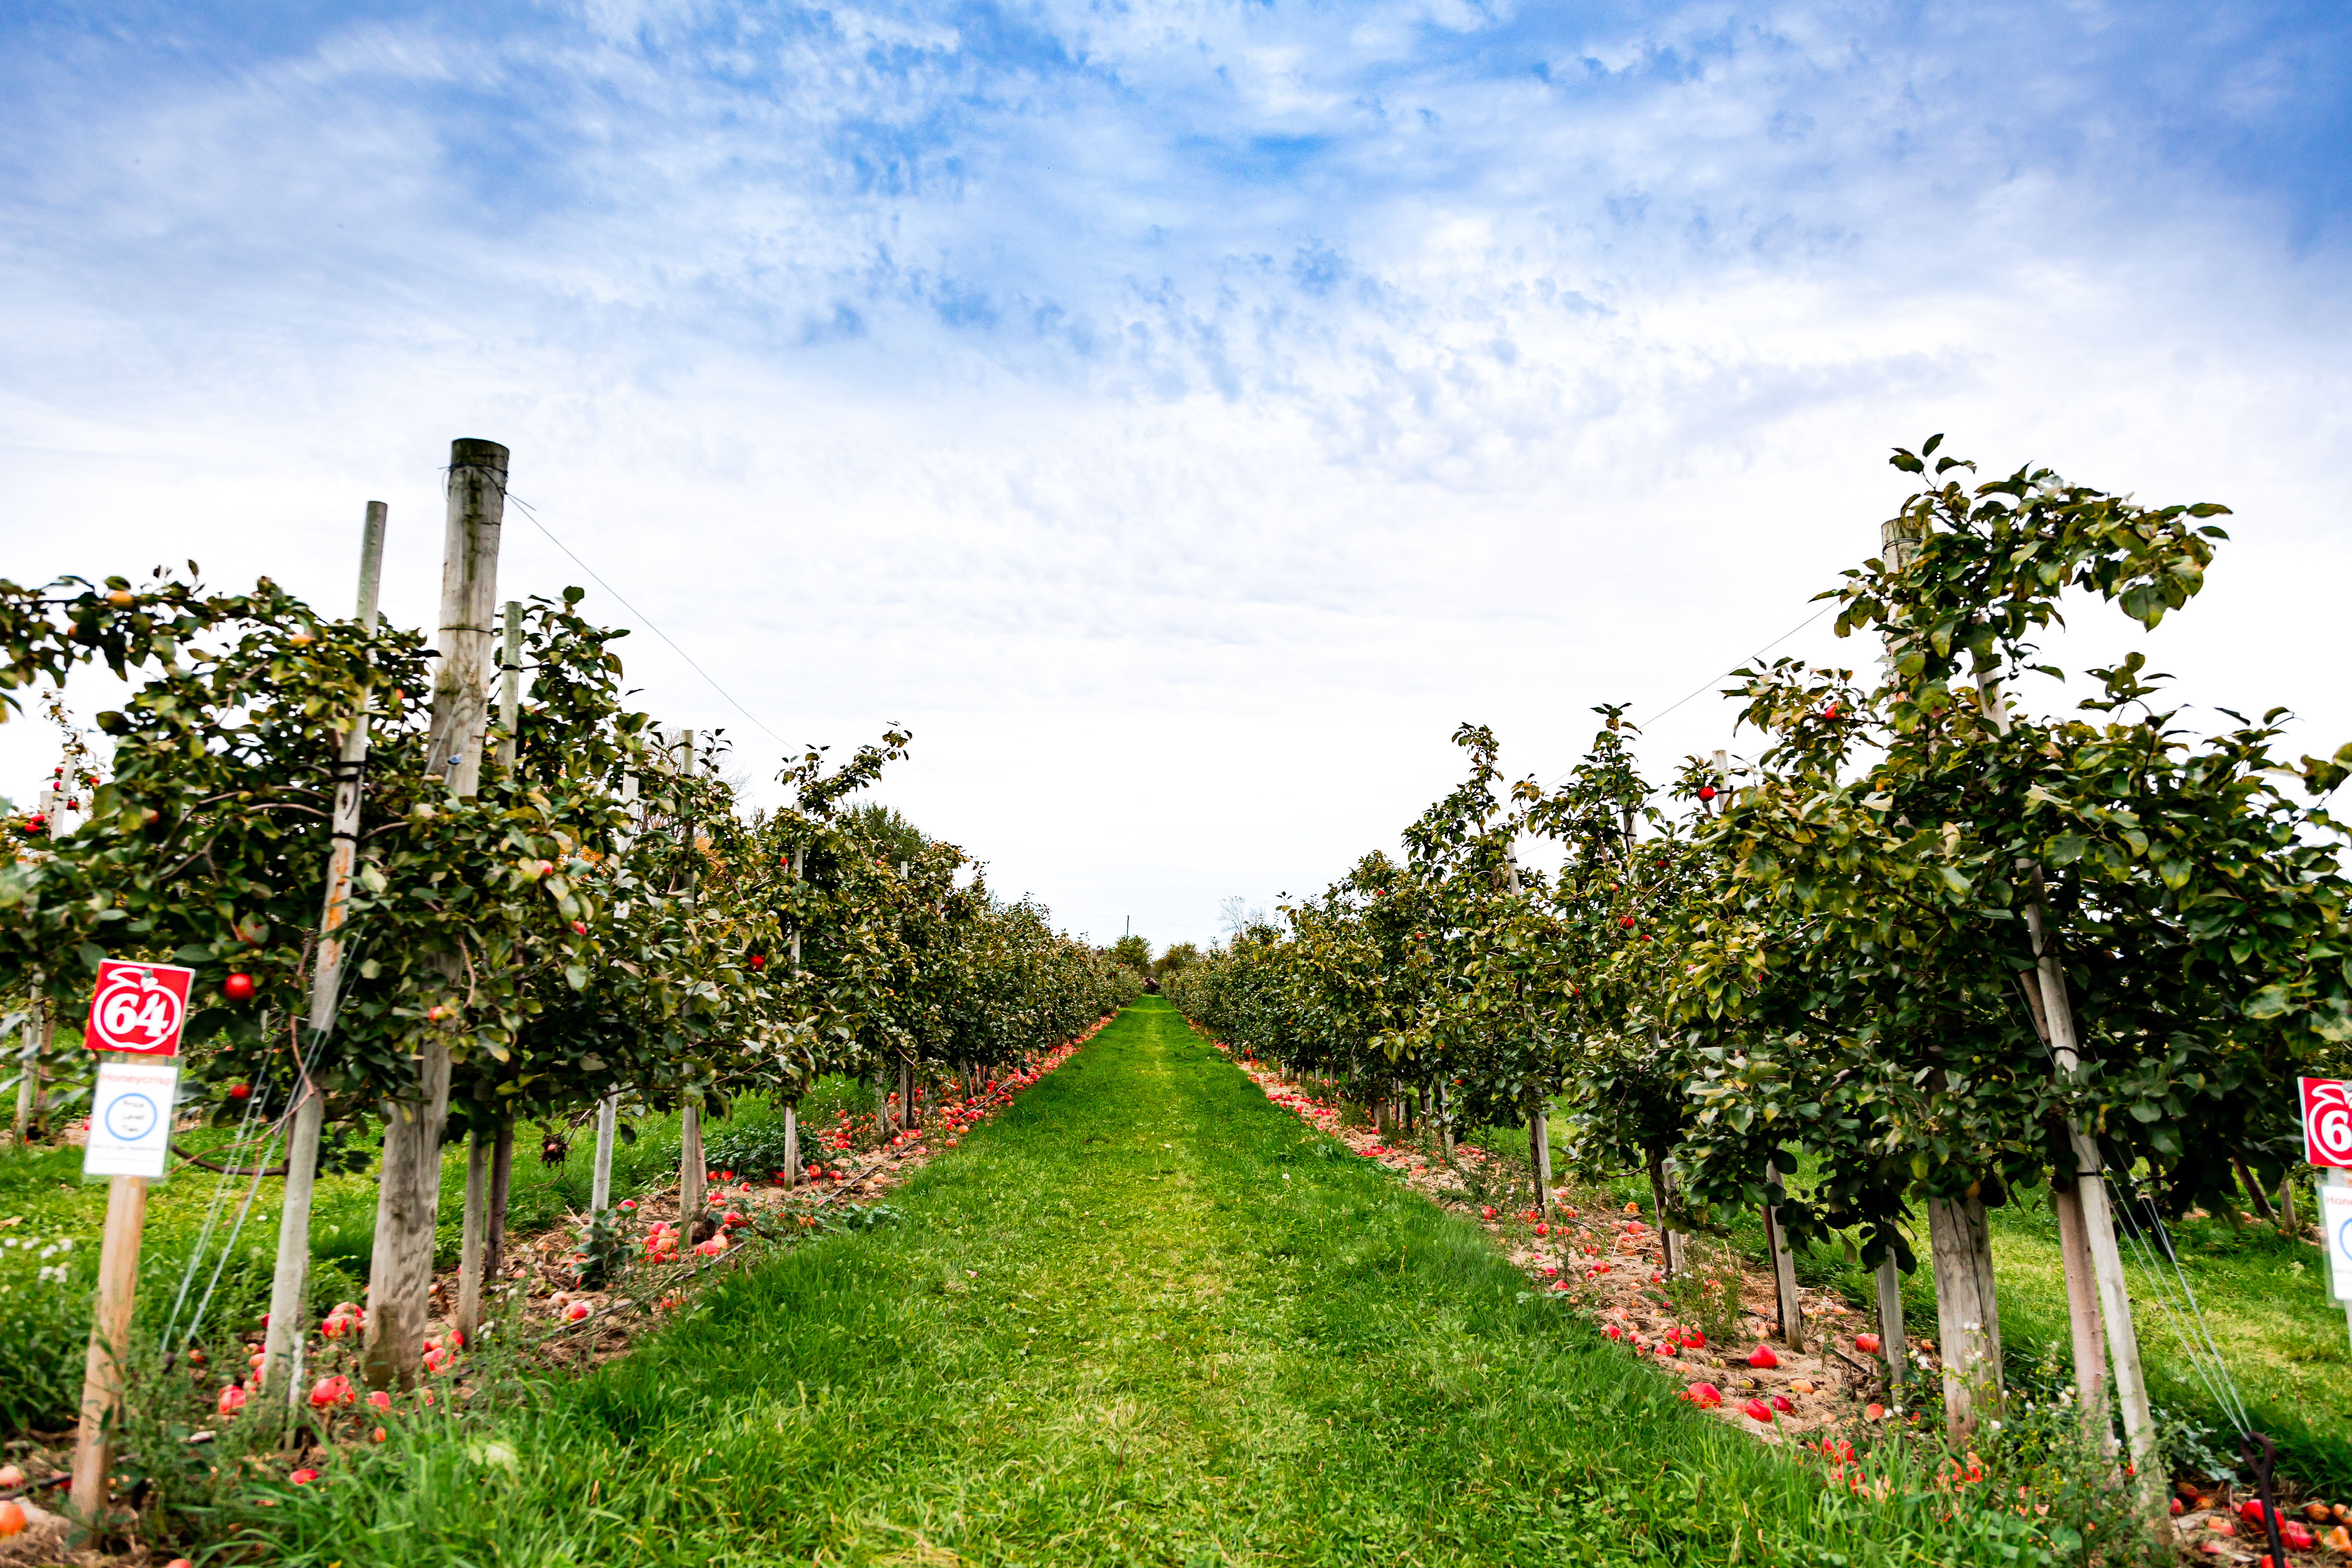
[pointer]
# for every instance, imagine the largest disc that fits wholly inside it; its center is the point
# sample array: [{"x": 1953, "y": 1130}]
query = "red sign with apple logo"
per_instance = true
[
  {"x": 139, "y": 1007},
  {"x": 2326, "y": 1122}
]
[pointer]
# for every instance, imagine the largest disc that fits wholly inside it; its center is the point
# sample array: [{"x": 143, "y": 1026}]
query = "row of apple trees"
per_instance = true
[
  {"x": 602, "y": 918},
  {"x": 1826, "y": 951}
]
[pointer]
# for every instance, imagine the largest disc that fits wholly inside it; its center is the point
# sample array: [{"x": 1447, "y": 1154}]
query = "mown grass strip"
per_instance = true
[{"x": 1144, "y": 1317}]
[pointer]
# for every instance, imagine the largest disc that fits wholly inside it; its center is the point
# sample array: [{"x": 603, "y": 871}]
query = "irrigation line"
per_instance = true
[
  {"x": 2185, "y": 1317},
  {"x": 211, "y": 1221},
  {"x": 528, "y": 512}
]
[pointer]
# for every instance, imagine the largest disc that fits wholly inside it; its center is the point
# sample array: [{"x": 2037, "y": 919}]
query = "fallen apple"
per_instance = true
[
  {"x": 1762, "y": 1358},
  {"x": 12, "y": 1519},
  {"x": 1780, "y": 1402},
  {"x": 1706, "y": 1395},
  {"x": 1867, "y": 1343},
  {"x": 1756, "y": 1410}
]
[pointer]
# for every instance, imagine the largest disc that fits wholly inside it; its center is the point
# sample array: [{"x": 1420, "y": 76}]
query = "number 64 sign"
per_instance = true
[
  {"x": 2326, "y": 1122},
  {"x": 139, "y": 1007}
]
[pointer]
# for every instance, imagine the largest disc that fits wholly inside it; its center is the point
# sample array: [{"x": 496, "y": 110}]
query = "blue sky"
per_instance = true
[{"x": 1180, "y": 414}]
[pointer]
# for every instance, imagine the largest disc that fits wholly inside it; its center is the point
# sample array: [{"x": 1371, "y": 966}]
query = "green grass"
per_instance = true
[
  {"x": 44, "y": 1321},
  {"x": 1145, "y": 1317}
]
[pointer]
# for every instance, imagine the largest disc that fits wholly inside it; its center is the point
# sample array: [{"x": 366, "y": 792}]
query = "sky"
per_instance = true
[{"x": 1179, "y": 416}]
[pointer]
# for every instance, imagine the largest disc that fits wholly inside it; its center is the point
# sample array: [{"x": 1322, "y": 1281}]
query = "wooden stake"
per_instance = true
[
  {"x": 1890, "y": 1322},
  {"x": 792, "y": 1144},
  {"x": 1790, "y": 1305},
  {"x": 400, "y": 1274},
  {"x": 510, "y": 685},
  {"x": 599, "y": 1182},
  {"x": 290, "y": 1280},
  {"x": 1539, "y": 1157},
  {"x": 691, "y": 1173},
  {"x": 110, "y": 1340},
  {"x": 608, "y": 1109}
]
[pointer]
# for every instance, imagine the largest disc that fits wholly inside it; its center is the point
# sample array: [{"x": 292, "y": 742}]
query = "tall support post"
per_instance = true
[
  {"x": 693, "y": 1174},
  {"x": 400, "y": 1275},
  {"x": 1790, "y": 1305},
  {"x": 608, "y": 1109},
  {"x": 289, "y": 1281},
  {"x": 110, "y": 1336}
]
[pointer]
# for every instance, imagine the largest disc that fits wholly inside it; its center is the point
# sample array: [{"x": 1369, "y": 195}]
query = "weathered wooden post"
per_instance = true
[
  {"x": 400, "y": 1278},
  {"x": 290, "y": 1279}
]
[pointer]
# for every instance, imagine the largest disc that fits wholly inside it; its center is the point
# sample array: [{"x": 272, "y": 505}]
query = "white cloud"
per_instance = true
[{"x": 1180, "y": 416}]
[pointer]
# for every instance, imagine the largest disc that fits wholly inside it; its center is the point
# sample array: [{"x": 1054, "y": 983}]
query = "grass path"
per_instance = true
[{"x": 1142, "y": 1318}]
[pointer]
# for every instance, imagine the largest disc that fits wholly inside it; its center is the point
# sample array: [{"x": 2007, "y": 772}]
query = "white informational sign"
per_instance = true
[
  {"x": 2336, "y": 1228},
  {"x": 130, "y": 1119}
]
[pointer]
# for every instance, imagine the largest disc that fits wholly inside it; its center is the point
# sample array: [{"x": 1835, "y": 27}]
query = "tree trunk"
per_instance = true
[
  {"x": 471, "y": 1246},
  {"x": 2255, "y": 1190},
  {"x": 494, "y": 1231},
  {"x": 408, "y": 1196},
  {"x": 1890, "y": 1323},
  {"x": 1791, "y": 1305},
  {"x": 1968, "y": 1318}
]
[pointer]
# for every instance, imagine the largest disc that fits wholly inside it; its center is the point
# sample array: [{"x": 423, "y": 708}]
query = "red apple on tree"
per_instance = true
[{"x": 238, "y": 987}]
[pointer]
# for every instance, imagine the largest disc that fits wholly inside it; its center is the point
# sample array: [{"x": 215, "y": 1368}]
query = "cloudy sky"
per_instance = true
[{"x": 1180, "y": 414}]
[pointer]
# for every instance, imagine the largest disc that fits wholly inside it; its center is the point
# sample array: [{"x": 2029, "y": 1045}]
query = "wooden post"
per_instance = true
[
  {"x": 691, "y": 1173},
  {"x": 1788, "y": 1304},
  {"x": 1967, "y": 1316},
  {"x": 905, "y": 1094},
  {"x": 1445, "y": 1119},
  {"x": 291, "y": 1280},
  {"x": 110, "y": 1338},
  {"x": 1890, "y": 1322},
  {"x": 400, "y": 1275},
  {"x": 469, "y": 1234},
  {"x": 1540, "y": 1156},
  {"x": 792, "y": 1144},
  {"x": 608, "y": 1109},
  {"x": 600, "y": 1180}
]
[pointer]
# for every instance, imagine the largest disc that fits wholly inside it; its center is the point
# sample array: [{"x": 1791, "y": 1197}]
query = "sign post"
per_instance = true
[
  {"x": 136, "y": 1013},
  {"x": 2327, "y": 1143}
]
